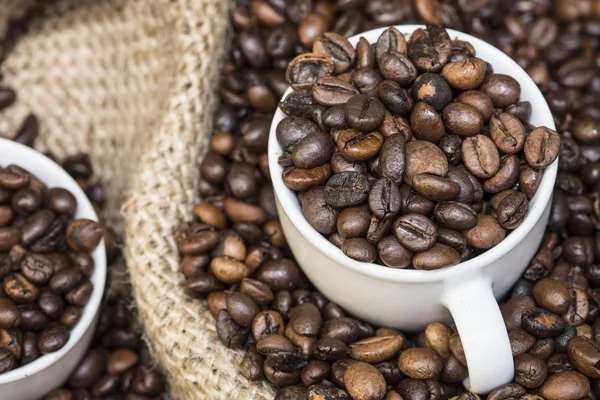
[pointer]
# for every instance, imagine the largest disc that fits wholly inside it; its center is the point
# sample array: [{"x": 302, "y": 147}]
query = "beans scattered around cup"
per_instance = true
[
  {"x": 45, "y": 266},
  {"x": 417, "y": 157}
]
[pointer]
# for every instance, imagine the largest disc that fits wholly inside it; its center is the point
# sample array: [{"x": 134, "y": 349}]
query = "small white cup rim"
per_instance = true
[
  {"x": 84, "y": 210},
  {"x": 538, "y": 203}
]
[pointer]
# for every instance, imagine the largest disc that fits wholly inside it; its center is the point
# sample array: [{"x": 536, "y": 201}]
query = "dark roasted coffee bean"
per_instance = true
[
  {"x": 541, "y": 323},
  {"x": 389, "y": 42},
  {"x": 230, "y": 334},
  {"x": 364, "y": 113},
  {"x": 508, "y": 391},
  {"x": 435, "y": 188},
  {"x": 504, "y": 90},
  {"x": 423, "y": 157},
  {"x": 426, "y": 123},
  {"x": 430, "y": 49},
  {"x": 396, "y": 99},
  {"x": 393, "y": 254},
  {"x": 359, "y": 146},
  {"x": 384, "y": 197},
  {"x": 433, "y": 90},
  {"x": 378, "y": 229},
  {"x": 454, "y": 215},
  {"x": 318, "y": 212},
  {"x": 480, "y": 156},
  {"x": 316, "y": 392},
  {"x": 520, "y": 341},
  {"x": 506, "y": 177},
  {"x": 366, "y": 80},
  {"x": 479, "y": 100},
  {"x": 512, "y": 210},
  {"x": 346, "y": 189},
  {"x": 19, "y": 289},
  {"x": 542, "y": 147},
  {"x": 438, "y": 256},
  {"x": 337, "y": 48},
  {"x": 293, "y": 129},
  {"x": 462, "y": 119},
  {"x": 306, "y": 69},
  {"x": 53, "y": 338},
  {"x": 415, "y": 232},
  {"x": 312, "y": 151},
  {"x": 451, "y": 146},
  {"x": 354, "y": 221},
  {"x": 359, "y": 249},
  {"x": 507, "y": 132},
  {"x": 298, "y": 104},
  {"x": 331, "y": 91},
  {"x": 397, "y": 67},
  {"x": 10, "y": 316},
  {"x": 552, "y": 295},
  {"x": 530, "y": 371}
]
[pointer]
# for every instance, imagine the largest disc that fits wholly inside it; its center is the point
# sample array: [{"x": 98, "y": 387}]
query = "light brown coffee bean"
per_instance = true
[
  {"x": 420, "y": 363},
  {"x": 364, "y": 382},
  {"x": 376, "y": 349}
]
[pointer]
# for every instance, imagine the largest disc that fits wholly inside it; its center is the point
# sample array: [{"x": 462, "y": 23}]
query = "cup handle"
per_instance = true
[{"x": 482, "y": 331}]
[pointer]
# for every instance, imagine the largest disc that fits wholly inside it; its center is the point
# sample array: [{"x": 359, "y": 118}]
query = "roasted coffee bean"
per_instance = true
[
  {"x": 520, "y": 341},
  {"x": 506, "y": 177},
  {"x": 316, "y": 392},
  {"x": 415, "y": 232},
  {"x": 565, "y": 385},
  {"x": 346, "y": 189},
  {"x": 530, "y": 371},
  {"x": 331, "y": 91},
  {"x": 384, "y": 199},
  {"x": 330, "y": 349},
  {"x": 507, "y": 132},
  {"x": 354, "y": 221},
  {"x": 542, "y": 147},
  {"x": 376, "y": 349},
  {"x": 583, "y": 354},
  {"x": 312, "y": 151},
  {"x": 504, "y": 90},
  {"x": 435, "y": 188},
  {"x": 293, "y": 129},
  {"x": 433, "y": 90},
  {"x": 478, "y": 100},
  {"x": 541, "y": 323},
  {"x": 364, "y": 113},
  {"x": 363, "y": 381},
  {"x": 10, "y": 316},
  {"x": 451, "y": 146},
  {"x": 507, "y": 391},
  {"x": 480, "y": 156},
  {"x": 317, "y": 210},
  {"x": 393, "y": 254},
  {"x": 512, "y": 209},
  {"x": 486, "y": 233},
  {"x": 420, "y": 363},
  {"x": 455, "y": 215},
  {"x": 429, "y": 49},
  {"x": 398, "y": 68},
  {"x": 466, "y": 74},
  {"x": 423, "y": 157},
  {"x": 462, "y": 119},
  {"x": 438, "y": 256},
  {"x": 359, "y": 146},
  {"x": 366, "y": 80},
  {"x": 426, "y": 123},
  {"x": 53, "y": 338},
  {"x": 230, "y": 334},
  {"x": 392, "y": 159},
  {"x": 453, "y": 371},
  {"x": 359, "y": 249},
  {"x": 552, "y": 295},
  {"x": 396, "y": 99},
  {"x": 301, "y": 180},
  {"x": 391, "y": 41}
]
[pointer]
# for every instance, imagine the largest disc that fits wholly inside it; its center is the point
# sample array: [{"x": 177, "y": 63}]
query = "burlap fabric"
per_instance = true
[{"x": 133, "y": 83}]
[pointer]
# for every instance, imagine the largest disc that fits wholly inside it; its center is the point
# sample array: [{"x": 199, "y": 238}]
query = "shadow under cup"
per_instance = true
[{"x": 411, "y": 299}]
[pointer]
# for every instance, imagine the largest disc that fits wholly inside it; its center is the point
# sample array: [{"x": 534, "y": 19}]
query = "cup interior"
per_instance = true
[
  {"x": 540, "y": 116},
  {"x": 53, "y": 175}
]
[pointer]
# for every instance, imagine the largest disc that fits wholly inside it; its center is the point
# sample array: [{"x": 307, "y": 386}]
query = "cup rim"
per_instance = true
[
  {"x": 290, "y": 205},
  {"x": 98, "y": 278}
]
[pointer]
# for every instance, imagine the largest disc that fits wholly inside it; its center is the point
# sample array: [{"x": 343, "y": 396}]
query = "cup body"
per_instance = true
[
  {"x": 34, "y": 380},
  {"x": 410, "y": 299}
]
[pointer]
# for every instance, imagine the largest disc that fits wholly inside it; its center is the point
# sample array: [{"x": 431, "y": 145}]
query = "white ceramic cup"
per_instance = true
[
  {"x": 410, "y": 299},
  {"x": 34, "y": 380}
]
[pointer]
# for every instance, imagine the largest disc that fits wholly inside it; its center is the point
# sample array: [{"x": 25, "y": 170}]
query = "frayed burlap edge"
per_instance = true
[{"x": 164, "y": 189}]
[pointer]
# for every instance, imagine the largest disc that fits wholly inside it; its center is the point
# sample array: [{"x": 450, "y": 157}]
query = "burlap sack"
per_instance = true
[{"x": 133, "y": 83}]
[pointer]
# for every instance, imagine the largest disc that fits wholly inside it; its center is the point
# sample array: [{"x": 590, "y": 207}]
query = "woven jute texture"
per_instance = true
[{"x": 133, "y": 83}]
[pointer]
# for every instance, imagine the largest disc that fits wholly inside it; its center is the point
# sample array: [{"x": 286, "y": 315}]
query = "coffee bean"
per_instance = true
[
  {"x": 316, "y": 392},
  {"x": 512, "y": 209},
  {"x": 433, "y": 90},
  {"x": 486, "y": 233},
  {"x": 455, "y": 215},
  {"x": 427, "y": 123},
  {"x": 336, "y": 48},
  {"x": 10, "y": 316},
  {"x": 568, "y": 385},
  {"x": 479, "y": 100},
  {"x": 530, "y": 371},
  {"x": 359, "y": 146},
  {"x": 53, "y": 338},
  {"x": 552, "y": 295},
  {"x": 420, "y": 363},
  {"x": 466, "y": 74},
  {"x": 331, "y": 91},
  {"x": 453, "y": 371},
  {"x": 19, "y": 289},
  {"x": 506, "y": 177},
  {"x": 346, "y": 189},
  {"x": 434, "y": 187},
  {"x": 298, "y": 179},
  {"x": 504, "y": 90},
  {"x": 312, "y": 151},
  {"x": 480, "y": 156},
  {"x": 462, "y": 119},
  {"x": 384, "y": 199},
  {"x": 438, "y": 256},
  {"x": 279, "y": 274},
  {"x": 376, "y": 349},
  {"x": 393, "y": 254},
  {"x": 398, "y": 68},
  {"x": 423, "y": 157},
  {"x": 317, "y": 211},
  {"x": 520, "y": 341},
  {"x": 541, "y": 323},
  {"x": 364, "y": 382},
  {"x": 293, "y": 129},
  {"x": 429, "y": 49},
  {"x": 359, "y": 249},
  {"x": 507, "y": 391},
  {"x": 415, "y": 232},
  {"x": 542, "y": 147},
  {"x": 363, "y": 112}
]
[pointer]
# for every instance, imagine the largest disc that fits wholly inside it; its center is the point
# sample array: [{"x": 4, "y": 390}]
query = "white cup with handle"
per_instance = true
[{"x": 410, "y": 299}]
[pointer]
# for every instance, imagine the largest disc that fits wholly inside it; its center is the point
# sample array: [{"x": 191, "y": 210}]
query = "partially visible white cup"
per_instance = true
[
  {"x": 410, "y": 299},
  {"x": 36, "y": 379}
]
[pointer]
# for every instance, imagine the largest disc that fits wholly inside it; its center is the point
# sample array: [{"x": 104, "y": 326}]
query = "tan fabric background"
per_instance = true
[{"x": 133, "y": 83}]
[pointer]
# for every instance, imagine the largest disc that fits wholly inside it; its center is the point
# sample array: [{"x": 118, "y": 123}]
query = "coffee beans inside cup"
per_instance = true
[
  {"x": 419, "y": 155},
  {"x": 45, "y": 266}
]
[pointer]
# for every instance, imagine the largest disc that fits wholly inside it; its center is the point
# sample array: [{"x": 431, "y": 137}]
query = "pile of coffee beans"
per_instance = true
[
  {"x": 409, "y": 153},
  {"x": 235, "y": 254},
  {"x": 45, "y": 266}
]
